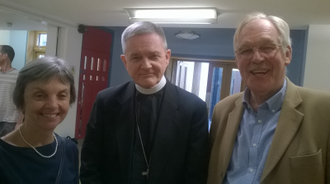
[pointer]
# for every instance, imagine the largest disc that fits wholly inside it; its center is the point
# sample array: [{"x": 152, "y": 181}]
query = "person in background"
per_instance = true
[
  {"x": 146, "y": 130},
  {"x": 33, "y": 153},
  {"x": 9, "y": 115},
  {"x": 273, "y": 132}
]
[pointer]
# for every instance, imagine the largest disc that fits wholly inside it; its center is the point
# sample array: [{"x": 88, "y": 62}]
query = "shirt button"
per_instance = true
[
  {"x": 254, "y": 144},
  {"x": 259, "y": 121},
  {"x": 273, "y": 110},
  {"x": 251, "y": 170}
]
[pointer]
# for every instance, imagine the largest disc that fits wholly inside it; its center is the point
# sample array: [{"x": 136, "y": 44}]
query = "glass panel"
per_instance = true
[
  {"x": 104, "y": 65},
  {"x": 85, "y": 62},
  {"x": 215, "y": 88},
  {"x": 40, "y": 54},
  {"x": 92, "y": 63},
  {"x": 203, "y": 81},
  {"x": 184, "y": 75},
  {"x": 236, "y": 80},
  {"x": 98, "y": 64},
  {"x": 42, "y": 41}
]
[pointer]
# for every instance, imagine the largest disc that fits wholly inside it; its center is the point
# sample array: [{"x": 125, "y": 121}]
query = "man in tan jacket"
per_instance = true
[{"x": 274, "y": 132}]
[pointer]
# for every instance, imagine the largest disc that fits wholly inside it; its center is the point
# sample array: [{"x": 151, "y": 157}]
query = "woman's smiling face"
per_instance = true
[{"x": 46, "y": 104}]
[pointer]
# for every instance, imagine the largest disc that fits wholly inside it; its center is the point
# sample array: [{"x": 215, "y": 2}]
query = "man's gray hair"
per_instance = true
[
  {"x": 281, "y": 26},
  {"x": 140, "y": 28},
  {"x": 43, "y": 70}
]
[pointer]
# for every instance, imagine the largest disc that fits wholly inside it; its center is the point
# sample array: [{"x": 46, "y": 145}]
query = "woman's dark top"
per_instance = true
[{"x": 20, "y": 165}]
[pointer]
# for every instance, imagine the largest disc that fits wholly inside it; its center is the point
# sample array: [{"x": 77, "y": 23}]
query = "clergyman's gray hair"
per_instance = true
[
  {"x": 281, "y": 26},
  {"x": 140, "y": 28},
  {"x": 43, "y": 70}
]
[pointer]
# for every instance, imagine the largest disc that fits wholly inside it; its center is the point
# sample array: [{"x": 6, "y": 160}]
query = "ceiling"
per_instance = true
[{"x": 28, "y": 14}]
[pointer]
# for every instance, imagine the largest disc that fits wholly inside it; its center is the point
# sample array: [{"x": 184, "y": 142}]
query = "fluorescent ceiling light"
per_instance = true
[{"x": 174, "y": 16}]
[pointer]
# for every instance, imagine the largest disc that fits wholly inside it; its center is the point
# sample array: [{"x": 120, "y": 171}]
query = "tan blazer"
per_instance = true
[{"x": 300, "y": 150}]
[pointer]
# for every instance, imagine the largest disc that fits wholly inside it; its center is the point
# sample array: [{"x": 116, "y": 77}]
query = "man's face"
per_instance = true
[
  {"x": 1, "y": 56},
  {"x": 263, "y": 73},
  {"x": 146, "y": 59}
]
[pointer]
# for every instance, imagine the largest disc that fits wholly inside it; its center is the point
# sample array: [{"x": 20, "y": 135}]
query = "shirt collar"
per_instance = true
[
  {"x": 7, "y": 71},
  {"x": 152, "y": 90},
  {"x": 274, "y": 103}
]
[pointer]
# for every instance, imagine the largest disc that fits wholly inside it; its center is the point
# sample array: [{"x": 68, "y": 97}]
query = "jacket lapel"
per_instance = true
[
  {"x": 233, "y": 123},
  {"x": 168, "y": 122},
  {"x": 287, "y": 126},
  {"x": 124, "y": 127},
  {"x": 223, "y": 139}
]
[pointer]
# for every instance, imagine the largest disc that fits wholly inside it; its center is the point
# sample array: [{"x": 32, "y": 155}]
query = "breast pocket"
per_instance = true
[{"x": 307, "y": 168}]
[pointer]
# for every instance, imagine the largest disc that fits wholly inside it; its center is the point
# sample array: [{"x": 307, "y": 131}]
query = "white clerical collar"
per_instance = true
[{"x": 152, "y": 90}]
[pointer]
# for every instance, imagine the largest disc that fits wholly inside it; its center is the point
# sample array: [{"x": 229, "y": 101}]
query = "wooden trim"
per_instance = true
[{"x": 201, "y": 60}]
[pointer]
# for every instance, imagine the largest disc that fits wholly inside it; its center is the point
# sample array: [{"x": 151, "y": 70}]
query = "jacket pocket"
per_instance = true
[
  {"x": 306, "y": 160},
  {"x": 307, "y": 169}
]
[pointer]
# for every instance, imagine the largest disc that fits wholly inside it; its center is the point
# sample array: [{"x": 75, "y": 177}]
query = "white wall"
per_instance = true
[
  {"x": 317, "y": 66},
  {"x": 18, "y": 40},
  {"x": 52, "y": 33},
  {"x": 4, "y": 37},
  {"x": 69, "y": 48}
]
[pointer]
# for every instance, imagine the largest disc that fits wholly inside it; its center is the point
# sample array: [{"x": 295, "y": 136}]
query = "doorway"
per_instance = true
[
  {"x": 210, "y": 80},
  {"x": 93, "y": 75}
]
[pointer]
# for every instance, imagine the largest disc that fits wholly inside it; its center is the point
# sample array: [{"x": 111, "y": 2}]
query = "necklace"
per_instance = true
[
  {"x": 138, "y": 111},
  {"x": 19, "y": 130},
  {"x": 146, "y": 173}
]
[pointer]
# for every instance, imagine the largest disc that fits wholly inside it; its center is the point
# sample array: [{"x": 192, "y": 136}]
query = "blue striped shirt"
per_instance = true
[{"x": 253, "y": 139}]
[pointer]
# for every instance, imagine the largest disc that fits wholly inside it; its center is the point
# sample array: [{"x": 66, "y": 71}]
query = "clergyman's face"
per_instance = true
[
  {"x": 263, "y": 75},
  {"x": 146, "y": 59}
]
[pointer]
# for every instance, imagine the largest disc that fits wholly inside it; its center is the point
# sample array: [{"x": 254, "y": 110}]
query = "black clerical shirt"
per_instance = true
[{"x": 147, "y": 108}]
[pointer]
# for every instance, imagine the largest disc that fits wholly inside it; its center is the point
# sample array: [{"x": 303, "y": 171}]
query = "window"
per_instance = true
[
  {"x": 36, "y": 45},
  {"x": 40, "y": 44},
  {"x": 210, "y": 80},
  {"x": 41, "y": 39}
]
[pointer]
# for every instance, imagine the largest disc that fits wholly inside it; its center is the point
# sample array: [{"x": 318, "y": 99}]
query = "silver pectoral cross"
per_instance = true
[{"x": 145, "y": 173}]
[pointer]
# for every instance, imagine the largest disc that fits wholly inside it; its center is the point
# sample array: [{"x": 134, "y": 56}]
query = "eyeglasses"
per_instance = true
[{"x": 264, "y": 50}]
